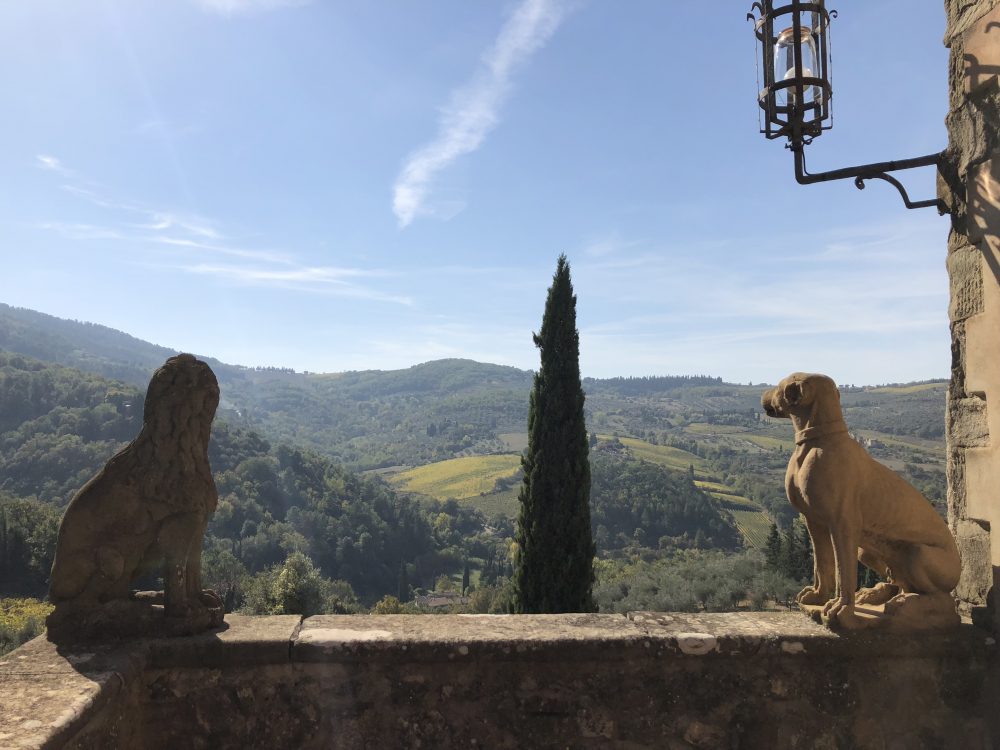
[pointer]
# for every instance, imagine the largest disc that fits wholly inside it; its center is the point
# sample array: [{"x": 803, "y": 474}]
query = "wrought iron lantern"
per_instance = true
[{"x": 794, "y": 41}]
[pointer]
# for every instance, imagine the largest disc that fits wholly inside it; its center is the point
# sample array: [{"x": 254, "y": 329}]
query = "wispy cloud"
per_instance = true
[
  {"x": 192, "y": 244},
  {"x": 77, "y": 231},
  {"x": 165, "y": 221},
  {"x": 324, "y": 279},
  {"x": 52, "y": 164},
  {"x": 474, "y": 109},
  {"x": 611, "y": 244},
  {"x": 240, "y": 7}
]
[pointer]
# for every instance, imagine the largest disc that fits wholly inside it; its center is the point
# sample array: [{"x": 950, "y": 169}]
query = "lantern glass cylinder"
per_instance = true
[{"x": 785, "y": 69}]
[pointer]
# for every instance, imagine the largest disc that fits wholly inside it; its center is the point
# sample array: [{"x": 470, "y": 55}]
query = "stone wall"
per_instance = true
[
  {"x": 970, "y": 185},
  {"x": 746, "y": 680}
]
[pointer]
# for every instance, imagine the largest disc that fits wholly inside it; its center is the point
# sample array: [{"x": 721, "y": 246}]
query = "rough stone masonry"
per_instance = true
[{"x": 970, "y": 186}]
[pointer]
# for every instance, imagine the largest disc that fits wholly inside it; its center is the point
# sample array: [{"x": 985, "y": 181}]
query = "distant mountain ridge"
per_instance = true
[
  {"x": 445, "y": 408},
  {"x": 86, "y": 346},
  {"x": 106, "y": 351}
]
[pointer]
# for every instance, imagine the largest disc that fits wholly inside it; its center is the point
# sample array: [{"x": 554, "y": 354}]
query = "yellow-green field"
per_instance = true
[
  {"x": 664, "y": 455},
  {"x": 458, "y": 478},
  {"x": 770, "y": 443},
  {"x": 710, "y": 486},
  {"x": 737, "y": 501},
  {"x": 750, "y": 519},
  {"x": 754, "y": 525}
]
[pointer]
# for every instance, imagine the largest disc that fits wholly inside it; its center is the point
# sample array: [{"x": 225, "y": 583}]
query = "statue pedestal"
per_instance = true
[
  {"x": 915, "y": 612},
  {"x": 142, "y": 615}
]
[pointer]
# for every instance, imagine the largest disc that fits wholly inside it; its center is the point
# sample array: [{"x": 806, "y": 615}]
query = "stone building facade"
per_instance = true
[{"x": 970, "y": 186}]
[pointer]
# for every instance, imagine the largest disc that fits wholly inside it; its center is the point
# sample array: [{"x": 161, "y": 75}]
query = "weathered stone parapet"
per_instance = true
[{"x": 654, "y": 680}]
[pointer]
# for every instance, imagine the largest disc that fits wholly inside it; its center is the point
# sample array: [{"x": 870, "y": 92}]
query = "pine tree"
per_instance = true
[
  {"x": 465, "y": 578},
  {"x": 555, "y": 564}
]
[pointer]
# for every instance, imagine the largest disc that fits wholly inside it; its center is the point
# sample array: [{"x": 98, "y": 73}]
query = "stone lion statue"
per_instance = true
[
  {"x": 149, "y": 505},
  {"x": 857, "y": 509}
]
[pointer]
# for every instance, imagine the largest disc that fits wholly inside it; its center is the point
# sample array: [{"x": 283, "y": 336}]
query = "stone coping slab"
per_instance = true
[
  {"x": 610, "y": 637},
  {"x": 49, "y": 692},
  {"x": 748, "y": 633},
  {"x": 447, "y": 637},
  {"x": 243, "y": 640}
]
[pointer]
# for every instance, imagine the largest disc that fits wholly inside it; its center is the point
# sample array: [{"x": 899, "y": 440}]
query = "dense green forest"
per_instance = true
[{"x": 628, "y": 511}]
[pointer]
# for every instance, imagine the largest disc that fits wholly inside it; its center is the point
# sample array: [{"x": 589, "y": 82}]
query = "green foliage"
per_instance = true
[
  {"x": 692, "y": 581},
  {"x": 556, "y": 552},
  {"x": 630, "y": 496},
  {"x": 790, "y": 553},
  {"x": 389, "y": 605},
  {"x": 28, "y": 531},
  {"x": 297, "y": 588},
  {"x": 20, "y": 621},
  {"x": 58, "y": 426}
]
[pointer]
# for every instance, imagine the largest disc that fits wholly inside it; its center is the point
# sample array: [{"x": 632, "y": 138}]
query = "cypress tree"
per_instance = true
[
  {"x": 555, "y": 565},
  {"x": 403, "y": 583},
  {"x": 805, "y": 553},
  {"x": 790, "y": 558},
  {"x": 772, "y": 550}
]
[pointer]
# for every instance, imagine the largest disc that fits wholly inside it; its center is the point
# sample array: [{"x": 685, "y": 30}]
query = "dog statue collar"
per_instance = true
[{"x": 814, "y": 433}]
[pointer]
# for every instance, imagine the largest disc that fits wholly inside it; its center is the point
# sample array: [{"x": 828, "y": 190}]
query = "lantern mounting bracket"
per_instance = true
[
  {"x": 876, "y": 171},
  {"x": 795, "y": 88}
]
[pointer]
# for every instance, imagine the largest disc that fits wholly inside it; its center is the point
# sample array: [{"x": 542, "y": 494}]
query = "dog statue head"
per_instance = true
[{"x": 800, "y": 394}]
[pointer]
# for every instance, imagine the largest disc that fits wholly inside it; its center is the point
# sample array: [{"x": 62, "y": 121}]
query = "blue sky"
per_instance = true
[{"x": 369, "y": 185}]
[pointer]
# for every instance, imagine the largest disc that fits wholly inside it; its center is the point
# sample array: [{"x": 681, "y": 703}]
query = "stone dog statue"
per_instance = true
[
  {"x": 857, "y": 509},
  {"x": 150, "y": 503}
]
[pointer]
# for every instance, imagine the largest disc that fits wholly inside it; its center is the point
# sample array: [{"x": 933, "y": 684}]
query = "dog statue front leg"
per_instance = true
[
  {"x": 839, "y": 611},
  {"x": 824, "y": 568},
  {"x": 175, "y": 540}
]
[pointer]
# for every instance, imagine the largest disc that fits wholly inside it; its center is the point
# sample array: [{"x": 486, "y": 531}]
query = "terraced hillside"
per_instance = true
[{"x": 750, "y": 517}]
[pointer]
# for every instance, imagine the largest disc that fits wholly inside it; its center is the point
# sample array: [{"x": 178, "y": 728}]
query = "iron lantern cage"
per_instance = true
[
  {"x": 793, "y": 40},
  {"x": 794, "y": 55}
]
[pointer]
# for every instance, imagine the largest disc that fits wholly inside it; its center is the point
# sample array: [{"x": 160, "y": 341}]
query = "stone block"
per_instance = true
[
  {"x": 967, "y": 425},
  {"x": 955, "y": 473},
  {"x": 242, "y": 640},
  {"x": 977, "y": 573},
  {"x": 966, "y": 282},
  {"x": 981, "y": 51}
]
